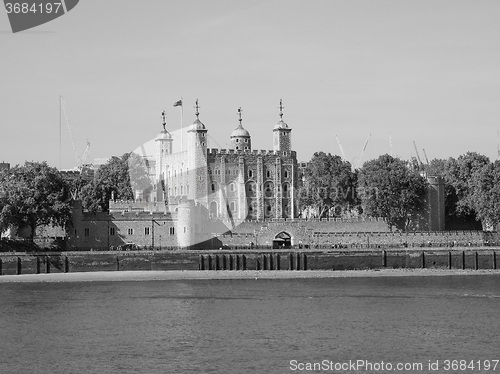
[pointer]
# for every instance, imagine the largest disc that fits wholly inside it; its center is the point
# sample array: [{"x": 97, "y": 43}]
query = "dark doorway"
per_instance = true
[{"x": 282, "y": 240}]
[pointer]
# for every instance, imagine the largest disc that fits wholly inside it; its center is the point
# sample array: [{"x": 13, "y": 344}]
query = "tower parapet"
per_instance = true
[{"x": 282, "y": 141}]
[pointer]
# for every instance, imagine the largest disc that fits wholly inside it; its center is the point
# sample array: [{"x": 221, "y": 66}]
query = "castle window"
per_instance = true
[
  {"x": 187, "y": 188},
  {"x": 203, "y": 134},
  {"x": 231, "y": 187},
  {"x": 284, "y": 133},
  {"x": 86, "y": 231},
  {"x": 185, "y": 229},
  {"x": 250, "y": 173},
  {"x": 182, "y": 189},
  {"x": 146, "y": 230},
  {"x": 268, "y": 174},
  {"x": 237, "y": 140},
  {"x": 203, "y": 144},
  {"x": 246, "y": 140},
  {"x": 171, "y": 230},
  {"x": 233, "y": 206},
  {"x": 237, "y": 148},
  {"x": 130, "y": 231},
  {"x": 112, "y": 231},
  {"x": 200, "y": 178},
  {"x": 213, "y": 186},
  {"x": 286, "y": 174}
]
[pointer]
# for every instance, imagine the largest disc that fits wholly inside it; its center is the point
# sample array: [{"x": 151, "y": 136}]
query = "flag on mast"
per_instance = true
[{"x": 179, "y": 103}]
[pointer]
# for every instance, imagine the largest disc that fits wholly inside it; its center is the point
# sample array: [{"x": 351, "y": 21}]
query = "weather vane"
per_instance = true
[
  {"x": 163, "y": 115},
  {"x": 197, "y": 109},
  {"x": 239, "y": 114},
  {"x": 281, "y": 109}
]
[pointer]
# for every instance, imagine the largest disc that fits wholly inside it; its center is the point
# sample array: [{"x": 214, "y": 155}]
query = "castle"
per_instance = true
[
  {"x": 206, "y": 198},
  {"x": 233, "y": 184}
]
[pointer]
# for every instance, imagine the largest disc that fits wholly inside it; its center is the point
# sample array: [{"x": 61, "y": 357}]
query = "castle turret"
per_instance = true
[
  {"x": 197, "y": 161},
  {"x": 163, "y": 144},
  {"x": 240, "y": 138},
  {"x": 282, "y": 140}
]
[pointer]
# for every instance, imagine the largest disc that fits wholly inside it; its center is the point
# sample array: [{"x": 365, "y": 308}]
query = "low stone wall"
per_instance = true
[{"x": 11, "y": 264}]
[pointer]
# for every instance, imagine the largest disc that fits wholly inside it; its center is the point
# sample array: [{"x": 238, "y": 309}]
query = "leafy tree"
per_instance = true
[
  {"x": 460, "y": 174},
  {"x": 485, "y": 196},
  {"x": 390, "y": 189},
  {"x": 328, "y": 182},
  {"x": 33, "y": 195},
  {"x": 117, "y": 177}
]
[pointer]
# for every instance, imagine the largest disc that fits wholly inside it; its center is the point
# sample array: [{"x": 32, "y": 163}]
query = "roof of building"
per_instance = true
[
  {"x": 240, "y": 132},
  {"x": 197, "y": 125},
  {"x": 164, "y": 134},
  {"x": 281, "y": 125}
]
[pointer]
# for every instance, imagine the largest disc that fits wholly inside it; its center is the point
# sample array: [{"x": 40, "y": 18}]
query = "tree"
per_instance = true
[
  {"x": 485, "y": 196},
  {"x": 460, "y": 174},
  {"x": 33, "y": 195},
  {"x": 390, "y": 189},
  {"x": 117, "y": 177},
  {"x": 328, "y": 183}
]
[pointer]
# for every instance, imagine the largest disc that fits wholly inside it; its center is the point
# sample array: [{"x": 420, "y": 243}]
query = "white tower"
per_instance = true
[{"x": 163, "y": 143}]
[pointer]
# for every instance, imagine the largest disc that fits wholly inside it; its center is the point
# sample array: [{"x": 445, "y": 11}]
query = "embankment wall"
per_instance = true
[{"x": 65, "y": 262}]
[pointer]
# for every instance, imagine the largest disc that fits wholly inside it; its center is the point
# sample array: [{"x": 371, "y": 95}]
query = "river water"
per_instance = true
[{"x": 249, "y": 326}]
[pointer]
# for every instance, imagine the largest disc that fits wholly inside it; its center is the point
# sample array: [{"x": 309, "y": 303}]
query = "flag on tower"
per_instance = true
[{"x": 177, "y": 103}]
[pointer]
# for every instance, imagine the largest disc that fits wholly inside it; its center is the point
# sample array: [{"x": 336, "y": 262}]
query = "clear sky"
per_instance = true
[{"x": 426, "y": 71}]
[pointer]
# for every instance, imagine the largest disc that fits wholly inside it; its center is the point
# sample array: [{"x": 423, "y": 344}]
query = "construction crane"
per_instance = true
[
  {"x": 425, "y": 155},
  {"x": 360, "y": 157},
  {"x": 418, "y": 156},
  {"x": 341, "y": 148},
  {"x": 80, "y": 161}
]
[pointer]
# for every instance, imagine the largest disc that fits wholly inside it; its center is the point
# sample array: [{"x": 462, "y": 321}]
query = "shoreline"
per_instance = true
[{"x": 152, "y": 275}]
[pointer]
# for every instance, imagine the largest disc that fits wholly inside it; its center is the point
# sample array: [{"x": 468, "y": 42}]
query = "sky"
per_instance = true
[{"x": 404, "y": 71}]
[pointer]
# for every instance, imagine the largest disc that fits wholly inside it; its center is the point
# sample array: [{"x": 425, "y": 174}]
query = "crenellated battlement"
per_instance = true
[{"x": 262, "y": 152}]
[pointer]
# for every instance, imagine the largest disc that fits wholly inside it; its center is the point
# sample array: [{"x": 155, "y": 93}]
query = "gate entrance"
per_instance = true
[{"x": 282, "y": 240}]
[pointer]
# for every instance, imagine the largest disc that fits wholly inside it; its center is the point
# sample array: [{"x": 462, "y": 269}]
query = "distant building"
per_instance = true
[{"x": 4, "y": 166}]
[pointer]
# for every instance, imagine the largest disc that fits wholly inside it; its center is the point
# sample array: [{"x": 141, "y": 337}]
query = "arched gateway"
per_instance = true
[{"x": 282, "y": 240}]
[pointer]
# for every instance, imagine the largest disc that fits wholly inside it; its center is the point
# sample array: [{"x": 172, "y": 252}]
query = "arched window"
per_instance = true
[
  {"x": 213, "y": 186},
  {"x": 232, "y": 206},
  {"x": 285, "y": 174},
  {"x": 250, "y": 173},
  {"x": 268, "y": 174},
  {"x": 232, "y": 187}
]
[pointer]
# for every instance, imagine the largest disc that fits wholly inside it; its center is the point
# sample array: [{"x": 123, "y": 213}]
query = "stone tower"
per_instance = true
[
  {"x": 163, "y": 145},
  {"x": 197, "y": 161},
  {"x": 282, "y": 141},
  {"x": 434, "y": 200},
  {"x": 240, "y": 138}
]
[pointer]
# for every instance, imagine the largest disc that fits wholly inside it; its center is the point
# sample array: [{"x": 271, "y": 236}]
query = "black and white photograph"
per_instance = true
[{"x": 261, "y": 186}]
